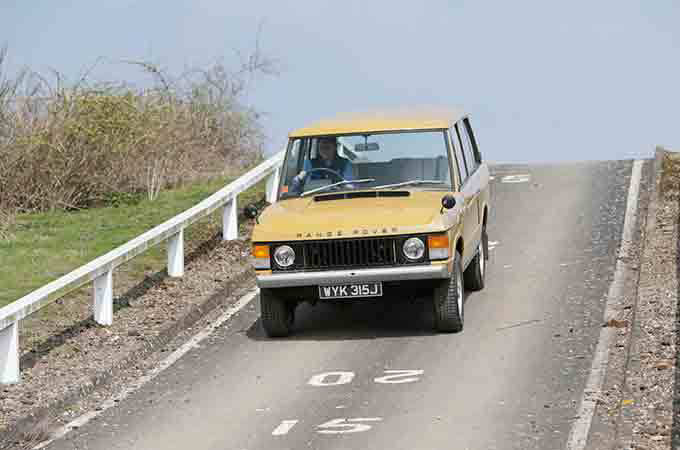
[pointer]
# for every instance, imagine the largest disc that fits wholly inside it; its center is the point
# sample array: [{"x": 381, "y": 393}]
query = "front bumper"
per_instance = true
[{"x": 406, "y": 273}]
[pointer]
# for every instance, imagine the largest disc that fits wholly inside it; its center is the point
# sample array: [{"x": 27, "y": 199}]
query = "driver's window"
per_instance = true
[{"x": 294, "y": 162}]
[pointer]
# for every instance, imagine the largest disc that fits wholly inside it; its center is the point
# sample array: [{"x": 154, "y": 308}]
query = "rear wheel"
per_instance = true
[
  {"x": 448, "y": 300},
  {"x": 474, "y": 274},
  {"x": 277, "y": 314}
]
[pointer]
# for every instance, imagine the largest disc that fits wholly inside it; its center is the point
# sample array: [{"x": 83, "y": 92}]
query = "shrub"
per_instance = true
[
  {"x": 82, "y": 145},
  {"x": 669, "y": 185}
]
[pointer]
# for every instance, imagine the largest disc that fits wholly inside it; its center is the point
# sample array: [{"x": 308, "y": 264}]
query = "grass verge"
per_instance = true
[{"x": 41, "y": 247}]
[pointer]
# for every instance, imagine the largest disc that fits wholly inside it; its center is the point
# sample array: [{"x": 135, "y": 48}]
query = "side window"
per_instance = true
[
  {"x": 293, "y": 161},
  {"x": 473, "y": 141},
  {"x": 467, "y": 148},
  {"x": 458, "y": 152}
]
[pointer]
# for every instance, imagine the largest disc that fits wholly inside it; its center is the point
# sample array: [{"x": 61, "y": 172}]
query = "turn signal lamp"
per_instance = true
[
  {"x": 261, "y": 257},
  {"x": 438, "y": 246}
]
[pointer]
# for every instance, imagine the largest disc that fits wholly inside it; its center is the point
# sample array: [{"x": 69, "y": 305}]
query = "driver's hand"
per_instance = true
[{"x": 299, "y": 178}]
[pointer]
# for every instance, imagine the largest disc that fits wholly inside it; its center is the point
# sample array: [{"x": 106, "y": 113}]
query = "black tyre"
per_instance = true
[
  {"x": 277, "y": 315},
  {"x": 448, "y": 300},
  {"x": 475, "y": 272}
]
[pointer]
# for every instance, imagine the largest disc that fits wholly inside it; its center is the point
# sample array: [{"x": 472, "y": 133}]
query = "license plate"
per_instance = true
[{"x": 351, "y": 290}]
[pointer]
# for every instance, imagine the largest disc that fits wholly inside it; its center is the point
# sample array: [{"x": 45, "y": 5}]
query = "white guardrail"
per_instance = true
[{"x": 101, "y": 269}]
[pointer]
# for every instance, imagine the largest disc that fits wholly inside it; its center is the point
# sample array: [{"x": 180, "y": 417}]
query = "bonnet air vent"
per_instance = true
[
  {"x": 360, "y": 194},
  {"x": 394, "y": 194}
]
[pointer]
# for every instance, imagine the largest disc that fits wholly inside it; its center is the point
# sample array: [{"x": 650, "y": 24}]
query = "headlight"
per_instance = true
[
  {"x": 414, "y": 248},
  {"x": 284, "y": 256}
]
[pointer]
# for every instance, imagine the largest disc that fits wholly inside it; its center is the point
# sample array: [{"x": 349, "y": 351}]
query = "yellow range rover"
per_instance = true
[{"x": 375, "y": 206}]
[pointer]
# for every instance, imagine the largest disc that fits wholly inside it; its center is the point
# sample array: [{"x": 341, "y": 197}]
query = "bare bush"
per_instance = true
[
  {"x": 70, "y": 146},
  {"x": 6, "y": 222}
]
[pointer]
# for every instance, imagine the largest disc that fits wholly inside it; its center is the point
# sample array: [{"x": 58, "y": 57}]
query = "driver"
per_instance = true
[{"x": 329, "y": 159}]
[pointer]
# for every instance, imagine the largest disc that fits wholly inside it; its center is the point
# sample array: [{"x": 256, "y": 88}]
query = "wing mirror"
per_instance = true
[
  {"x": 448, "y": 202},
  {"x": 251, "y": 211}
]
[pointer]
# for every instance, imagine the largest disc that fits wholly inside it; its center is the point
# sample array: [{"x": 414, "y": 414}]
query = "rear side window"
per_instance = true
[
  {"x": 473, "y": 141},
  {"x": 458, "y": 152},
  {"x": 469, "y": 153}
]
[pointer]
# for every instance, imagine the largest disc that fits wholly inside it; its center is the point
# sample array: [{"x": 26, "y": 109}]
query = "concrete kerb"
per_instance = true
[
  {"x": 26, "y": 426},
  {"x": 629, "y": 404}
]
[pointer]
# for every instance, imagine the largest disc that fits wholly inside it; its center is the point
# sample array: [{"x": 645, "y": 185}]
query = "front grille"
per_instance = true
[
  {"x": 349, "y": 253},
  {"x": 344, "y": 253}
]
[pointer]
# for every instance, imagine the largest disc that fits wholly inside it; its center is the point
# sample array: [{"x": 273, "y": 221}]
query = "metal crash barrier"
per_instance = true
[{"x": 100, "y": 270}]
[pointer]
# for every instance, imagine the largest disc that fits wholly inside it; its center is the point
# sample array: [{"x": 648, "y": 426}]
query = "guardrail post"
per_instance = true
[
  {"x": 176, "y": 254},
  {"x": 9, "y": 354},
  {"x": 273, "y": 185},
  {"x": 230, "y": 221},
  {"x": 103, "y": 298}
]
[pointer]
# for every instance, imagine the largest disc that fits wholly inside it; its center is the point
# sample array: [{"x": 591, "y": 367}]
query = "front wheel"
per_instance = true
[
  {"x": 276, "y": 313},
  {"x": 474, "y": 274},
  {"x": 448, "y": 300}
]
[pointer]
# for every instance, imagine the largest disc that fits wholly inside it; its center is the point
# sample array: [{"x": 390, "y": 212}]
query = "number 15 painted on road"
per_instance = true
[{"x": 334, "y": 426}]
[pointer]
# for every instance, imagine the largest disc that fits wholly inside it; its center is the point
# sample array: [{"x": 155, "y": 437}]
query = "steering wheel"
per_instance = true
[{"x": 324, "y": 169}]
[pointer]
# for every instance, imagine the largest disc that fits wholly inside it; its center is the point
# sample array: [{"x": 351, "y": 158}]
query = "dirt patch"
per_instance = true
[{"x": 66, "y": 356}]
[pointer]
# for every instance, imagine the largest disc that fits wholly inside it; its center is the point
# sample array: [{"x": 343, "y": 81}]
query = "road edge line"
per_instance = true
[
  {"x": 578, "y": 435},
  {"x": 153, "y": 373}
]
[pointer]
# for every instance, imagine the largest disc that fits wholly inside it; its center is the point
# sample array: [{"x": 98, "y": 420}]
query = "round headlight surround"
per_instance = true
[
  {"x": 413, "y": 248},
  {"x": 284, "y": 256}
]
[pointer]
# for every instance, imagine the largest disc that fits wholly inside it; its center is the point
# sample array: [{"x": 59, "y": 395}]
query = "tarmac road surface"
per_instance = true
[{"x": 373, "y": 374}]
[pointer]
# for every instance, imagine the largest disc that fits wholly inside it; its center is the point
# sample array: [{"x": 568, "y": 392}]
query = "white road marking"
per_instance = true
[
  {"x": 322, "y": 378},
  {"x": 523, "y": 178},
  {"x": 345, "y": 426},
  {"x": 284, "y": 427},
  {"x": 167, "y": 362},
  {"x": 493, "y": 244},
  {"x": 578, "y": 436},
  {"x": 397, "y": 376}
]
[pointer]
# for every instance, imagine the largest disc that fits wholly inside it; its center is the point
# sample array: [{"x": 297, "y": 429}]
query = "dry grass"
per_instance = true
[
  {"x": 669, "y": 186},
  {"x": 78, "y": 145},
  {"x": 7, "y": 220}
]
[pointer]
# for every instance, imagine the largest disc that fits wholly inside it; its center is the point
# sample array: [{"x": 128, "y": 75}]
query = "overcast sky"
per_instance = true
[{"x": 542, "y": 80}]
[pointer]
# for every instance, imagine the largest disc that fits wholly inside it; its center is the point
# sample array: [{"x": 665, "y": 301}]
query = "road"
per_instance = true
[{"x": 372, "y": 375}]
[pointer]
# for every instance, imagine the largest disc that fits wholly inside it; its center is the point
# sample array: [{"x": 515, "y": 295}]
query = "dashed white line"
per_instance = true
[
  {"x": 331, "y": 378},
  {"x": 521, "y": 178},
  {"x": 284, "y": 427}
]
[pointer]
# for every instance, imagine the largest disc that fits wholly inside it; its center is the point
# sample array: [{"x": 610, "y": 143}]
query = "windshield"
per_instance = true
[{"x": 405, "y": 160}]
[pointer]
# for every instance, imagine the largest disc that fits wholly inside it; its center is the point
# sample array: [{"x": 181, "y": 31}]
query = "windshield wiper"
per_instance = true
[
  {"x": 409, "y": 183},
  {"x": 340, "y": 183}
]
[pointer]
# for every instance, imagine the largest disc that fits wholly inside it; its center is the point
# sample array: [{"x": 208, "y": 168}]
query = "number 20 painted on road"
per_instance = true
[{"x": 338, "y": 378}]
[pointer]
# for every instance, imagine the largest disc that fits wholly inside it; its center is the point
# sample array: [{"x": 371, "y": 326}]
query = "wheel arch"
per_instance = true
[{"x": 459, "y": 245}]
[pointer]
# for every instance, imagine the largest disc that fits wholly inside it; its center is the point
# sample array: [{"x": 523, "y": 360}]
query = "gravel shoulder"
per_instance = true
[
  {"x": 69, "y": 363},
  {"x": 640, "y": 397}
]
